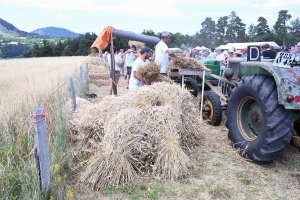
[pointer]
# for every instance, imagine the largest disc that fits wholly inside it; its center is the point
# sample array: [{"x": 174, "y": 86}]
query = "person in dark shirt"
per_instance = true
[{"x": 267, "y": 52}]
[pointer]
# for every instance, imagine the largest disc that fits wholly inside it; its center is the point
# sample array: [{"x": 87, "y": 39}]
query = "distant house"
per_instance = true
[{"x": 13, "y": 43}]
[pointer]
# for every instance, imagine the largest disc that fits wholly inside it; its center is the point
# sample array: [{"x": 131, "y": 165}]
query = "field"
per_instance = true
[{"x": 218, "y": 173}]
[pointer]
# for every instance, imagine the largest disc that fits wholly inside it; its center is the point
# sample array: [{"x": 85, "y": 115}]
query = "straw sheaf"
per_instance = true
[
  {"x": 138, "y": 45},
  {"x": 187, "y": 63},
  {"x": 149, "y": 72},
  {"x": 98, "y": 73},
  {"x": 149, "y": 131},
  {"x": 161, "y": 78}
]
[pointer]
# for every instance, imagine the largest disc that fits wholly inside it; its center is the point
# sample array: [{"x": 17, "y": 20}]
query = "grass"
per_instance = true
[
  {"x": 26, "y": 84},
  {"x": 219, "y": 173}
]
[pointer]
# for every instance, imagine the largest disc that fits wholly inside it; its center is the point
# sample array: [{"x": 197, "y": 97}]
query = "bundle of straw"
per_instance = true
[
  {"x": 149, "y": 72},
  {"x": 149, "y": 131},
  {"x": 187, "y": 63},
  {"x": 138, "y": 45}
]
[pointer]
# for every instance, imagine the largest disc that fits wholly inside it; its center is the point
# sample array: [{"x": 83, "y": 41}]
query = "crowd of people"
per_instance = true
[{"x": 137, "y": 58}]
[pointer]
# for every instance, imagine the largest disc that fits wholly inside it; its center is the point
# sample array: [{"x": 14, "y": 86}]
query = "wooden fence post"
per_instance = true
[
  {"x": 42, "y": 156},
  {"x": 73, "y": 93},
  {"x": 82, "y": 79}
]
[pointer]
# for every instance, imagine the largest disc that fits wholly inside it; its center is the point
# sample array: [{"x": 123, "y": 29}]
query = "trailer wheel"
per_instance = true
[
  {"x": 212, "y": 108},
  {"x": 258, "y": 125},
  {"x": 192, "y": 86}
]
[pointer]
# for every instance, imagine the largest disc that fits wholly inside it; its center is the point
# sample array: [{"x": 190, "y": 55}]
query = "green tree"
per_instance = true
[
  {"x": 208, "y": 32},
  {"x": 35, "y": 50},
  {"x": 251, "y": 32},
  {"x": 294, "y": 29},
  {"x": 58, "y": 49},
  {"x": 262, "y": 30},
  {"x": 68, "y": 51},
  {"x": 281, "y": 27},
  {"x": 236, "y": 31},
  {"x": 221, "y": 28}
]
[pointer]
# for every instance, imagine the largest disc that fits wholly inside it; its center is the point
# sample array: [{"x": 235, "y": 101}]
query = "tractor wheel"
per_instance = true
[
  {"x": 258, "y": 125},
  {"x": 212, "y": 108},
  {"x": 191, "y": 85}
]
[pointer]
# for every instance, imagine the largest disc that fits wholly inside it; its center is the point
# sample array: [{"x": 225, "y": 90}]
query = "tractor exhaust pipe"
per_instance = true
[
  {"x": 295, "y": 142},
  {"x": 135, "y": 36}
]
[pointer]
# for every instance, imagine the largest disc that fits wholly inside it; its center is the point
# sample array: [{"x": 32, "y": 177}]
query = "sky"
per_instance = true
[{"x": 183, "y": 16}]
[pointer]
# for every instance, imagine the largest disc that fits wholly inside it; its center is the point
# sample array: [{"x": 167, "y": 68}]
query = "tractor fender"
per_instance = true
[{"x": 287, "y": 80}]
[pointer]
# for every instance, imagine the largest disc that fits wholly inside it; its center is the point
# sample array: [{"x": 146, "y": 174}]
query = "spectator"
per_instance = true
[
  {"x": 117, "y": 70},
  {"x": 292, "y": 48},
  {"x": 220, "y": 56},
  {"x": 129, "y": 61},
  {"x": 121, "y": 55},
  {"x": 267, "y": 52},
  {"x": 162, "y": 53},
  {"x": 136, "y": 80},
  {"x": 245, "y": 52},
  {"x": 238, "y": 53},
  {"x": 284, "y": 49},
  {"x": 230, "y": 55},
  {"x": 212, "y": 54}
]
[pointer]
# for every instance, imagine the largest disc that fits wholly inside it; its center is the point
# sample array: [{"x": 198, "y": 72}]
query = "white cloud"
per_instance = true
[{"x": 279, "y": 4}]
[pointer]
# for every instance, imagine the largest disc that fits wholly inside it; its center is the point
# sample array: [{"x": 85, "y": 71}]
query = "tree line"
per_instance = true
[{"x": 211, "y": 34}]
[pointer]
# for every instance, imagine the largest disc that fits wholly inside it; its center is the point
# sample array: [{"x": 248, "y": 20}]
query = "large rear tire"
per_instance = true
[
  {"x": 258, "y": 125},
  {"x": 212, "y": 108}
]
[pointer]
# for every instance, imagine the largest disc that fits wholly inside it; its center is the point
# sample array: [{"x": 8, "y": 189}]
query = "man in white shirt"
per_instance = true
[
  {"x": 220, "y": 56},
  {"x": 162, "y": 53},
  {"x": 136, "y": 80},
  {"x": 117, "y": 70},
  {"x": 129, "y": 61}
]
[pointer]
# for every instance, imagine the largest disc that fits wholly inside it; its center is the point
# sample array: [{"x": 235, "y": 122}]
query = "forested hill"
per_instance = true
[
  {"x": 8, "y": 28},
  {"x": 55, "y": 32}
]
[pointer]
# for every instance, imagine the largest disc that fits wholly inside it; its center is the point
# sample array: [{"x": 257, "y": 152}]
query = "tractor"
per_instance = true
[{"x": 263, "y": 108}]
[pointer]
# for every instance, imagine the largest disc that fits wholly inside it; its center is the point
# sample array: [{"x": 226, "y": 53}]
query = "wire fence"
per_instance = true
[{"x": 20, "y": 176}]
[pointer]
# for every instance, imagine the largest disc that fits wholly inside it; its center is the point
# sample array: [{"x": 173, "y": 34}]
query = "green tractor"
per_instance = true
[{"x": 263, "y": 108}]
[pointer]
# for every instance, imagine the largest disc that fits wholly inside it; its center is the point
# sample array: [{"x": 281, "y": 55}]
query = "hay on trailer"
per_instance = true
[
  {"x": 149, "y": 72},
  {"x": 161, "y": 78},
  {"x": 187, "y": 63},
  {"x": 138, "y": 45},
  {"x": 149, "y": 131}
]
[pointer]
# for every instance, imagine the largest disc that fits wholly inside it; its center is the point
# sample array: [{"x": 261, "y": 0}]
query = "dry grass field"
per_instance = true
[
  {"x": 26, "y": 83},
  {"x": 218, "y": 173}
]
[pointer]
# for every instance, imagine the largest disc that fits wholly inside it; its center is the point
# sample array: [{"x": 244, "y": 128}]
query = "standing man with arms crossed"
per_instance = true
[
  {"x": 136, "y": 80},
  {"x": 162, "y": 53}
]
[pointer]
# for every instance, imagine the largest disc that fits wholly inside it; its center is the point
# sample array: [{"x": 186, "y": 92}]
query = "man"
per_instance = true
[
  {"x": 121, "y": 55},
  {"x": 129, "y": 61},
  {"x": 117, "y": 70},
  {"x": 245, "y": 52},
  {"x": 284, "y": 49},
  {"x": 292, "y": 48},
  {"x": 267, "y": 52},
  {"x": 162, "y": 53},
  {"x": 136, "y": 80},
  {"x": 220, "y": 56}
]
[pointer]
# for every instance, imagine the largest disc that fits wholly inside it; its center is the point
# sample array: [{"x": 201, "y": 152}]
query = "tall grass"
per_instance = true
[{"x": 26, "y": 84}]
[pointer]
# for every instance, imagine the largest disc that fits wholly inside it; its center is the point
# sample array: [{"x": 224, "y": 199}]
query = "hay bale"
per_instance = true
[
  {"x": 138, "y": 45},
  {"x": 161, "y": 78},
  {"x": 187, "y": 63},
  {"x": 149, "y": 72},
  {"x": 149, "y": 131}
]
